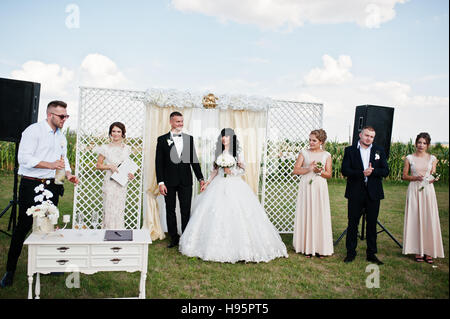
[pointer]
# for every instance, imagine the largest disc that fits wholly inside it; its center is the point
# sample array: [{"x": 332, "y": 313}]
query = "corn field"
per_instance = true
[{"x": 396, "y": 160}]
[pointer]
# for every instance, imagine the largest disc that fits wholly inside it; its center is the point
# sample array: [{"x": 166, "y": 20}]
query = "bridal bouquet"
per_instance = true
[
  {"x": 426, "y": 181},
  {"x": 225, "y": 160},
  {"x": 45, "y": 214},
  {"x": 319, "y": 165}
]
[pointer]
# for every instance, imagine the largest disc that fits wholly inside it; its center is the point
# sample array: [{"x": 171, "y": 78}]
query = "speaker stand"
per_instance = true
[
  {"x": 384, "y": 229},
  {"x": 13, "y": 203}
]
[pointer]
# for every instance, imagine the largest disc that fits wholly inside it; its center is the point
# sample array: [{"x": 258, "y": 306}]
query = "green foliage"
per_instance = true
[{"x": 398, "y": 153}]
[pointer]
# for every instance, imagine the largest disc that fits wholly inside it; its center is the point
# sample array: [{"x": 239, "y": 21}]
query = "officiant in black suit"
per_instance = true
[
  {"x": 364, "y": 165},
  {"x": 175, "y": 155}
]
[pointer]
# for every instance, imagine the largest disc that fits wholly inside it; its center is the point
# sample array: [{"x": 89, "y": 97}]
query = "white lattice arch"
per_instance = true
[
  {"x": 98, "y": 108},
  {"x": 288, "y": 126}
]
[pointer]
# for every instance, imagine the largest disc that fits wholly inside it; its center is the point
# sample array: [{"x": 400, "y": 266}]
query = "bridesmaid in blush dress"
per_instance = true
[
  {"x": 422, "y": 230},
  {"x": 312, "y": 224}
]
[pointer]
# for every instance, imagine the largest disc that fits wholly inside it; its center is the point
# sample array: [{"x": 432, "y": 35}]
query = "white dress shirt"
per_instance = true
[
  {"x": 178, "y": 141},
  {"x": 40, "y": 143},
  {"x": 365, "y": 157}
]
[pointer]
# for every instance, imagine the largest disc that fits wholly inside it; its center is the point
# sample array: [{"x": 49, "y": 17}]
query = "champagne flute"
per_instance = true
[
  {"x": 94, "y": 221},
  {"x": 79, "y": 222}
]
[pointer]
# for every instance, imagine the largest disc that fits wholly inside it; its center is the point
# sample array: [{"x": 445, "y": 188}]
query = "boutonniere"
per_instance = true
[
  {"x": 169, "y": 141},
  {"x": 377, "y": 156}
]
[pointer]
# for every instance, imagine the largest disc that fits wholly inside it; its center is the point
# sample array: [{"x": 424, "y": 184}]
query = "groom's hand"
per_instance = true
[{"x": 163, "y": 189}]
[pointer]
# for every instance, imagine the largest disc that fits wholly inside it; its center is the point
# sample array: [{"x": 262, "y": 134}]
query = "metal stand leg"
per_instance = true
[
  {"x": 13, "y": 203},
  {"x": 390, "y": 235}
]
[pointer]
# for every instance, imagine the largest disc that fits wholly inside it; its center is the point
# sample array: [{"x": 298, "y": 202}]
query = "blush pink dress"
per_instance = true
[
  {"x": 312, "y": 223},
  {"x": 422, "y": 230}
]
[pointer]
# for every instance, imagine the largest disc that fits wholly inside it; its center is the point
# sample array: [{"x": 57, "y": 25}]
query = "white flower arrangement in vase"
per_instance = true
[
  {"x": 225, "y": 160},
  {"x": 46, "y": 214}
]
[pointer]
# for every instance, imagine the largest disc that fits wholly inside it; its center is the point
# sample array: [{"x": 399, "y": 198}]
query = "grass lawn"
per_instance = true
[{"x": 172, "y": 275}]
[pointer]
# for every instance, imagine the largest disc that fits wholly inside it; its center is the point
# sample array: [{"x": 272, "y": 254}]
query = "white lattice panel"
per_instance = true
[
  {"x": 288, "y": 128},
  {"x": 98, "y": 109}
]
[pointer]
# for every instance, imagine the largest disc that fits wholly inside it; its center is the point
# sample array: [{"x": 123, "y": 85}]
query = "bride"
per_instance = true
[{"x": 228, "y": 224}]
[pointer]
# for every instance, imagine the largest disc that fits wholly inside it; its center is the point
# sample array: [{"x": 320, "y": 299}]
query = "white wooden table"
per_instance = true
[{"x": 85, "y": 251}]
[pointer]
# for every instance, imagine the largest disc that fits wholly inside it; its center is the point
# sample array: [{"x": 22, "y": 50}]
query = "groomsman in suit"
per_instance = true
[
  {"x": 364, "y": 165},
  {"x": 175, "y": 155}
]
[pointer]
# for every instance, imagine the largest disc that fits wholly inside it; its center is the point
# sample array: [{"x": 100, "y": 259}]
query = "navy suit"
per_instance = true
[
  {"x": 175, "y": 172},
  {"x": 362, "y": 195}
]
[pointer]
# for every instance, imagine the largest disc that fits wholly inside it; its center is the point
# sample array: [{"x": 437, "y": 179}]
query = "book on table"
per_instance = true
[{"x": 119, "y": 235}]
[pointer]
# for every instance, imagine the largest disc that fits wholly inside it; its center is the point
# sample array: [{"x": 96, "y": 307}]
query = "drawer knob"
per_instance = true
[
  {"x": 115, "y": 260},
  {"x": 62, "y": 249},
  {"x": 116, "y": 249},
  {"x": 62, "y": 261}
]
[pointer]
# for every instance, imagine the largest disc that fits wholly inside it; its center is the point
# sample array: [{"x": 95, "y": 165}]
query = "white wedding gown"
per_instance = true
[{"x": 228, "y": 224}]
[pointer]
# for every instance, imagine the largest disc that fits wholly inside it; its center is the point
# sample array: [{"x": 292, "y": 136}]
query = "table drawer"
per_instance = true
[
  {"x": 116, "y": 250},
  {"x": 116, "y": 261},
  {"x": 62, "y": 263},
  {"x": 62, "y": 250}
]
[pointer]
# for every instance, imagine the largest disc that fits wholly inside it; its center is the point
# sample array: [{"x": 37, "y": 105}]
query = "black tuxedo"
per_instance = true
[
  {"x": 175, "y": 172},
  {"x": 362, "y": 195}
]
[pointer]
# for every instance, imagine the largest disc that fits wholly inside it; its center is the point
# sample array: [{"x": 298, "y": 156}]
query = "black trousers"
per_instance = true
[
  {"x": 185, "y": 199},
  {"x": 25, "y": 222},
  {"x": 356, "y": 207}
]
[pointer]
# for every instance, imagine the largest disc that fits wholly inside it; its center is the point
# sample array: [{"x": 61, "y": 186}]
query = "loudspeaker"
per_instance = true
[
  {"x": 19, "y": 106},
  {"x": 380, "y": 118}
]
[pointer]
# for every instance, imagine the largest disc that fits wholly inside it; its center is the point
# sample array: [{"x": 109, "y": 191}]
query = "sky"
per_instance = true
[{"x": 342, "y": 53}]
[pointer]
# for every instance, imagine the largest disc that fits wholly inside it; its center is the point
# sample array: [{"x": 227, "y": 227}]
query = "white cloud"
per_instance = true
[
  {"x": 274, "y": 14},
  {"x": 57, "y": 83},
  {"x": 340, "y": 92},
  {"x": 54, "y": 79},
  {"x": 61, "y": 83},
  {"x": 333, "y": 71},
  {"x": 434, "y": 77},
  {"x": 100, "y": 71}
]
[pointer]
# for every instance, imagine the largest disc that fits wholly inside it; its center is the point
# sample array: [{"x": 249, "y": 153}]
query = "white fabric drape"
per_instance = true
[{"x": 205, "y": 126}]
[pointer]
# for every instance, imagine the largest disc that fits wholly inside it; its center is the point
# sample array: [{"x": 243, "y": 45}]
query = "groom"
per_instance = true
[
  {"x": 364, "y": 165},
  {"x": 175, "y": 155}
]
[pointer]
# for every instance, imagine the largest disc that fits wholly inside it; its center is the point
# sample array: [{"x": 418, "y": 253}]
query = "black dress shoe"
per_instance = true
[
  {"x": 172, "y": 244},
  {"x": 374, "y": 259},
  {"x": 7, "y": 279},
  {"x": 349, "y": 259}
]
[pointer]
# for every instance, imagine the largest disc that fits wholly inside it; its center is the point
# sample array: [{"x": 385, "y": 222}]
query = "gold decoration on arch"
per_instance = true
[{"x": 209, "y": 101}]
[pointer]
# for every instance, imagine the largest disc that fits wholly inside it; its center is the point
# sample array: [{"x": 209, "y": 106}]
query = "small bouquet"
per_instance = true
[
  {"x": 319, "y": 165},
  {"x": 225, "y": 160},
  {"x": 427, "y": 179},
  {"x": 46, "y": 212}
]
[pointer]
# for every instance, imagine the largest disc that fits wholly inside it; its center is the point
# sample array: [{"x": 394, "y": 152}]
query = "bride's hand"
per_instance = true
[
  {"x": 227, "y": 171},
  {"x": 204, "y": 187}
]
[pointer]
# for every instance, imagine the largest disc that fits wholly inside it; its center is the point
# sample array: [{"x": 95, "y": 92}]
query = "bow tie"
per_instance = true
[{"x": 176, "y": 135}]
